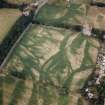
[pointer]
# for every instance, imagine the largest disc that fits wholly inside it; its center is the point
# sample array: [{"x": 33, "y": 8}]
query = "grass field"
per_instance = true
[
  {"x": 96, "y": 19},
  {"x": 61, "y": 15},
  {"x": 76, "y": 14},
  {"x": 19, "y": 1},
  {"x": 64, "y": 2},
  {"x": 8, "y": 17},
  {"x": 49, "y": 67}
]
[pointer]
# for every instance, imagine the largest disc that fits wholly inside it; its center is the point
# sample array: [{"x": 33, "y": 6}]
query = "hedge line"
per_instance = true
[
  {"x": 4, "y": 4},
  {"x": 97, "y": 33},
  {"x": 13, "y": 35}
]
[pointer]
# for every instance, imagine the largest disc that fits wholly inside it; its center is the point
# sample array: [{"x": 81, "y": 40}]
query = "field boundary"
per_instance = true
[
  {"x": 13, "y": 47},
  {"x": 13, "y": 34}
]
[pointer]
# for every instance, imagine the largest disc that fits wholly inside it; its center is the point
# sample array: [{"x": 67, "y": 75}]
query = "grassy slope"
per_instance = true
[
  {"x": 8, "y": 17},
  {"x": 55, "y": 64}
]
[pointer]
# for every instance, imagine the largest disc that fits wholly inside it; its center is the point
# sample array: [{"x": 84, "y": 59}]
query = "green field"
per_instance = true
[
  {"x": 58, "y": 2},
  {"x": 49, "y": 67},
  {"x": 19, "y": 1},
  {"x": 64, "y": 2},
  {"x": 8, "y": 18},
  {"x": 52, "y": 62},
  {"x": 76, "y": 14},
  {"x": 61, "y": 15}
]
